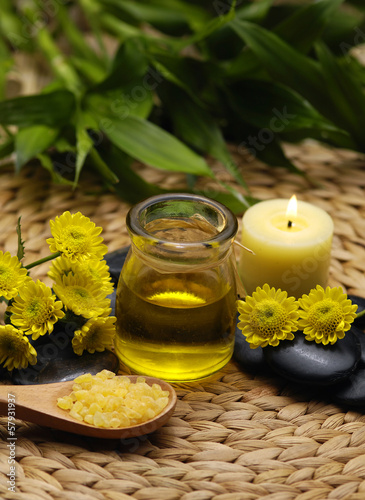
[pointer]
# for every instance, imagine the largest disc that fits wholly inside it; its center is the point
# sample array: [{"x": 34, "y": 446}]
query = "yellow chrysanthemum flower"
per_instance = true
[
  {"x": 93, "y": 270},
  {"x": 61, "y": 266},
  {"x": 12, "y": 275},
  {"x": 81, "y": 296},
  {"x": 326, "y": 315},
  {"x": 15, "y": 349},
  {"x": 268, "y": 317},
  {"x": 35, "y": 310},
  {"x": 96, "y": 334},
  {"x": 76, "y": 237}
]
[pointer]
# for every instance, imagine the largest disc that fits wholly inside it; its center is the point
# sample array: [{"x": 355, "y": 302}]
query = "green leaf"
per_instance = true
[
  {"x": 102, "y": 168},
  {"x": 21, "y": 249},
  {"x": 6, "y": 147},
  {"x": 346, "y": 93},
  {"x": 254, "y": 12},
  {"x": 84, "y": 143},
  {"x": 208, "y": 29},
  {"x": 152, "y": 145},
  {"x": 273, "y": 154},
  {"x": 285, "y": 64},
  {"x": 89, "y": 69},
  {"x": 32, "y": 140},
  {"x": 272, "y": 106},
  {"x": 47, "y": 163},
  {"x": 185, "y": 72},
  {"x": 53, "y": 109},
  {"x": 198, "y": 128},
  {"x": 294, "y": 30},
  {"x": 122, "y": 30},
  {"x": 131, "y": 186},
  {"x": 162, "y": 17},
  {"x": 129, "y": 64},
  {"x": 318, "y": 15},
  {"x": 345, "y": 30},
  {"x": 133, "y": 99},
  {"x": 234, "y": 200}
]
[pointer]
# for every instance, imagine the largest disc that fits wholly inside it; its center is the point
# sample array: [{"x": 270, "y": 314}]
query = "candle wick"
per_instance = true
[{"x": 290, "y": 223}]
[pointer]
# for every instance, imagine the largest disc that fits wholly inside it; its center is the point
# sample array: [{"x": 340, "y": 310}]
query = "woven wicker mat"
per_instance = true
[{"x": 235, "y": 436}]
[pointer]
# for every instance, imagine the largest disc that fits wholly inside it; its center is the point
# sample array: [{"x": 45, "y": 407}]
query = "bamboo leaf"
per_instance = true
[
  {"x": 31, "y": 141},
  {"x": 198, "y": 128},
  {"x": 6, "y": 147},
  {"x": 231, "y": 199},
  {"x": 163, "y": 17},
  {"x": 53, "y": 109},
  {"x": 131, "y": 186},
  {"x": 47, "y": 162},
  {"x": 100, "y": 166},
  {"x": 187, "y": 73},
  {"x": 152, "y": 145},
  {"x": 273, "y": 154},
  {"x": 346, "y": 93},
  {"x": 294, "y": 29},
  {"x": 276, "y": 108},
  {"x": 132, "y": 99},
  {"x": 129, "y": 64},
  {"x": 84, "y": 144},
  {"x": 286, "y": 65}
]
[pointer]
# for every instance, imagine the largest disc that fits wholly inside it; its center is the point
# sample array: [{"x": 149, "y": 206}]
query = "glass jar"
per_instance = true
[{"x": 176, "y": 295}]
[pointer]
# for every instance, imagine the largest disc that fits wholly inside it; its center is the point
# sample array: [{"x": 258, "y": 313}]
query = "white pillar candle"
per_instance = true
[{"x": 291, "y": 251}]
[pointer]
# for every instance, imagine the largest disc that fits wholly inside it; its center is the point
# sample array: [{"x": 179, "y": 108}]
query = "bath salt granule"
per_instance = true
[{"x": 105, "y": 400}]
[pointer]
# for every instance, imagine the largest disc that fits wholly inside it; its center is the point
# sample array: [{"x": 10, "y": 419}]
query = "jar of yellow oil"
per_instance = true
[{"x": 176, "y": 296}]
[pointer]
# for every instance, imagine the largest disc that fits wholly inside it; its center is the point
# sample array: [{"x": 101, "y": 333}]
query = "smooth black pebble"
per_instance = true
[
  {"x": 306, "y": 362},
  {"x": 352, "y": 391},
  {"x": 360, "y": 302},
  {"x": 67, "y": 367},
  {"x": 250, "y": 359}
]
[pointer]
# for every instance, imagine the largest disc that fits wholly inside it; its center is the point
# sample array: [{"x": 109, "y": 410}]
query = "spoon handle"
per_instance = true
[{"x": 34, "y": 403}]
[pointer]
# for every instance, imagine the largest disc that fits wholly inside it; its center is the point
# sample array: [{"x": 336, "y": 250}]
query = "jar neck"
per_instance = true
[{"x": 181, "y": 232}]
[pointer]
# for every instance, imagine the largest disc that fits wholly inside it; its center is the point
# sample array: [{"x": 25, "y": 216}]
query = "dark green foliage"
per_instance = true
[{"x": 187, "y": 76}]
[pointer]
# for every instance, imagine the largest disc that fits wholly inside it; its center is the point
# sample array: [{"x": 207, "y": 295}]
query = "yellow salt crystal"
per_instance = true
[
  {"x": 104, "y": 400},
  {"x": 65, "y": 403}
]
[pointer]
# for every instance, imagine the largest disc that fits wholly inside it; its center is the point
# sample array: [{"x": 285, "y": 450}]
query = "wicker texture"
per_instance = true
[{"x": 235, "y": 436}]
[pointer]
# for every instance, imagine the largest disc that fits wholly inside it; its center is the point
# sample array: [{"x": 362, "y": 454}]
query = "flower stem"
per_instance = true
[
  {"x": 45, "y": 259},
  {"x": 360, "y": 314}
]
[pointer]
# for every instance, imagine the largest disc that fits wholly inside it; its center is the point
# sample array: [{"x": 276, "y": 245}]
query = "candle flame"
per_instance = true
[{"x": 291, "y": 211}]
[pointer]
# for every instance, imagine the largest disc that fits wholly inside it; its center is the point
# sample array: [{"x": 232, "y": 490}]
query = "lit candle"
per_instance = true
[{"x": 291, "y": 244}]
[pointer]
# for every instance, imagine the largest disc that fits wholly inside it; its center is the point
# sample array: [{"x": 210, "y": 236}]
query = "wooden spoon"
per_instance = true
[{"x": 38, "y": 404}]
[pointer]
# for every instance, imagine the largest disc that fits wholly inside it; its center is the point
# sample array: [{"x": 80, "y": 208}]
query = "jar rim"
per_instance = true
[{"x": 227, "y": 232}]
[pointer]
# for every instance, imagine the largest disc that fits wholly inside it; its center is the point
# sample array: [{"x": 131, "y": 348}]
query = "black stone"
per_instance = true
[
  {"x": 66, "y": 367},
  {"x": 360, "y": 335},
  {"x": 351, "y": 392},
  {"x": 250, "y": 359},
  {"x": 115, "y": 261},
  {"x": 57, "y": 362},
  {"x": 360, "y": 302},
  {"x": 306, "y": 362}
]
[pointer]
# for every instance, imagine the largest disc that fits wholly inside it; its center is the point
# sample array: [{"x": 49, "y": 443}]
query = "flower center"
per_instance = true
[
  {"x": 81, "y": 293},
  {"x": 6, "y": 277},
  {"x": 326, "y": 316},
  {"x": 37, "y": 311},
  {"x": 10, "y": 344},
  {"x": 268, "y": 318},
  {"x": 75, "y": 239}
]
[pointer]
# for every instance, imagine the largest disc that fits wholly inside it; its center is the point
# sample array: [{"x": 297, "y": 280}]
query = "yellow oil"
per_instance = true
[{"x": 177, "y": 328}]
